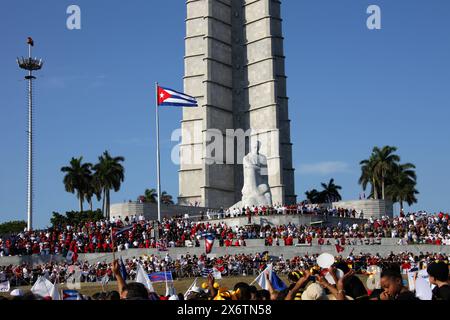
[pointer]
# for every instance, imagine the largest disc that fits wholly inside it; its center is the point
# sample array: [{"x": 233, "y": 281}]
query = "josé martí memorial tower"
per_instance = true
[{"x": 235, "y": 67}]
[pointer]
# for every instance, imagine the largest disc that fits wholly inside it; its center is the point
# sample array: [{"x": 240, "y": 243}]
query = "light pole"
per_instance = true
[{"x": 30, "y": 64}]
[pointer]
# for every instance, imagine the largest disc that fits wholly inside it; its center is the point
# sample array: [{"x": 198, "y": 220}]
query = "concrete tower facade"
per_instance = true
[{"x": 235, "y": 67}]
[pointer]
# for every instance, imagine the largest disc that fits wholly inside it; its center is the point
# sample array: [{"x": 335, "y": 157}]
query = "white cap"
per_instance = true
[{"x": 17, "y": 293}]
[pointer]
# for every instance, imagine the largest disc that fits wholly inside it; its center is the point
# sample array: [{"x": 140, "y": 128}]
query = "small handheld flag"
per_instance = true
[
  {"x": 172, "y": 98},
  {"x": 161, "y": 276},
  {"x": 5, "y": 286},
  {"x": 277, "y": 283},
  {"x": 117, "y": 232},
  {"x": 209, "y": 242},
  {"x": 123, "y": 270},
  {"x": 71, "y": 295},
  {"x": 339, "y": 248}
]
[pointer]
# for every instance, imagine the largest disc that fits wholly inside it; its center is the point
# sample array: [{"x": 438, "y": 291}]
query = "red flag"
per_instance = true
[{"x": 339, "y": 248}]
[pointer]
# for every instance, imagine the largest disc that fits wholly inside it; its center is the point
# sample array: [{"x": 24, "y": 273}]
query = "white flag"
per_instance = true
[
  {"x": 424, "y": 290},
  {"x": 261, "y": 279},
  {"x": 194, "y": 284},
  {"x": 5, "y": 286},
  {"x": 217, "y": 274},
  {"x": 142, "y": 277},
  {"x": 411, "y": 282},
  {"x": 43, "y": 287},
  {"x": 170, "y": 289},
  {"x": 54, "y": 292}
]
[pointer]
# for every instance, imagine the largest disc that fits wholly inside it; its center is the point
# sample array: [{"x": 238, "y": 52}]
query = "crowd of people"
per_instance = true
[
  {"x": 307, "y": 281},
  {"x": 296, "y": 209},
  {"x": 190, "y": 265},
  {"x": 98, "y": 236}
]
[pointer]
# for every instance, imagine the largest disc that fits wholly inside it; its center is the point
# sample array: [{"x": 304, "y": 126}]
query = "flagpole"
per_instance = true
[
  {"x": 158, "y": 169},
  {"x": 112, "y": 244}
]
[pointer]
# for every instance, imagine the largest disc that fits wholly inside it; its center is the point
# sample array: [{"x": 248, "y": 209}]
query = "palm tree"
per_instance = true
[
  {"x": 313, "y": 196},
  {"x": 109, "y": 174},
  {"x": 401, "y": 186},
  {"x": 150, "y": 195},
  {"x": 368, "y": 176},
  {"x": 330, "y": 192},
  {"x": 377, "y": 168},
  {"x": 166, "y": 198},
  {"x": 93, "y": 189},
  {"x": 77, "y": 178},
  {"x": 386, "y": 162}
]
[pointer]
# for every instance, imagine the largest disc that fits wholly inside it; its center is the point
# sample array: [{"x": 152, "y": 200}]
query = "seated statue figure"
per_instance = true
[{"x": 256, "y": 190}]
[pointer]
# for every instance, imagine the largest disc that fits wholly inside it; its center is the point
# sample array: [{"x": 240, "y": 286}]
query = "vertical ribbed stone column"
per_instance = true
[{"x": 234, "y": 65}]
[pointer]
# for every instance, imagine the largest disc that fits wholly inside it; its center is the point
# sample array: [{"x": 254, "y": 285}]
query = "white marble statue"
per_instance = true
[{"x": 256, "y": 190}]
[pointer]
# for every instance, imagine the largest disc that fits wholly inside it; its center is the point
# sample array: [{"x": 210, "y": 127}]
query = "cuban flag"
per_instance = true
[
  {"x": 209, "y": 242},
  {"x": 172, "y": 98},
  {"x": 117, "y": 232},
  {"x": 71, "y": 295},
  {"x": 207, "y": 271}
]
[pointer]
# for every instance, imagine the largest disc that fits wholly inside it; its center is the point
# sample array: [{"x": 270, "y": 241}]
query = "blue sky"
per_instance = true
[{"x": 350, "y": 89}]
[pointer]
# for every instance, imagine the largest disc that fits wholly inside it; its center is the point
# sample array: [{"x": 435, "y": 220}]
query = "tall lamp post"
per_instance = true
[{"x": 30, "y": 64}]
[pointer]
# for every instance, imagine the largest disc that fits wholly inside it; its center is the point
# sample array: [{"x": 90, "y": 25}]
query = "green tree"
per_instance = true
[
  {"x": 12, "y": 227},
  {"x": 75, "y": 218},
  {"x": 166, "y": 198},
  {"x": 93, "y": 188},
  {"x": 386, "y": 162},
  {"x": 330, "y": 192},
  {"x": 76, "y": 179},
  {"x": 313, "y": 196},
  {"x": 401, "y": 185},
  {"x": 150, "y": 195},
  {"x": 377, "y": 169},
  {"x": 110, "y": 174},
  {"x": 368, "y": 176}
]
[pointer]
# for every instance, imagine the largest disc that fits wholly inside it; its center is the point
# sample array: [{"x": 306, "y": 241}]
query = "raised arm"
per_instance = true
[
  {"x": 298, "y": 285},
  {"x": 273, "y": 294},
  {"x": 211, "y": 288},
  {"x": 120, "y": 281}
]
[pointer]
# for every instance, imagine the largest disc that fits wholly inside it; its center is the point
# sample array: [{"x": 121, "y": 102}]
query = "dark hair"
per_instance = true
[
  {"x": 391, "y": 273},
  {"x": 99, "y": 296},
  {"x": 294, "y": 276},
  {"x": 112, "y": 295},
  {"x": 253, "y": 289},
  {"x": 343, "y": 266},
  {"x": 136, "y": 291},
  {"x": 27, "y": 296},
  {"x": 375, "y": 293},
  {"x": 438, "y": 270},
  {"x": 244, "y": 289},
  {"x": 262, "y": 295}
]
